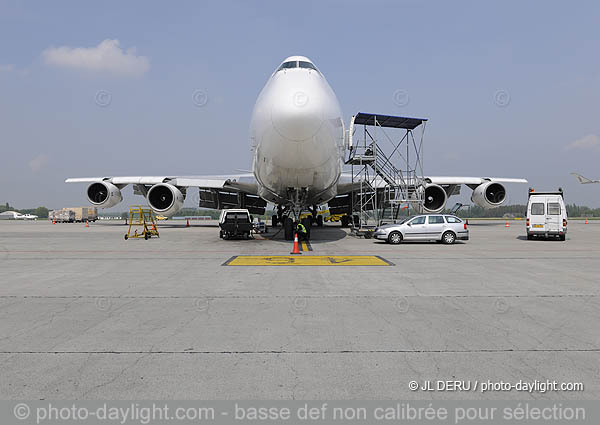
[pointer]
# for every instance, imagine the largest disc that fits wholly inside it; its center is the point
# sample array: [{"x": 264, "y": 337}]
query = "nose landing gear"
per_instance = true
[{"x": 289, "y": 218}]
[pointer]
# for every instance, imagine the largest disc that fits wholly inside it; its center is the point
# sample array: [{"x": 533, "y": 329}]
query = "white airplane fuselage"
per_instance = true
[{"x": 297, "y": 137}]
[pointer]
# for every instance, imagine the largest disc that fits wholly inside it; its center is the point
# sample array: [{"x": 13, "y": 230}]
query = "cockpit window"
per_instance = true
[
  {"x": 304, "y": 64},
  {"x": 297, "y": 64},
  {"x": 286, "y": 65}
]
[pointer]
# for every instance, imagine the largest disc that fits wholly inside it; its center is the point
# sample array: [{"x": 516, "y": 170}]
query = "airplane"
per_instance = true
[
  {"x": 298, "y": 145},
  {"x": 584, "y": 180},
  {"x": 18, "y": 216},
  {"x": 26, "y": 217}
]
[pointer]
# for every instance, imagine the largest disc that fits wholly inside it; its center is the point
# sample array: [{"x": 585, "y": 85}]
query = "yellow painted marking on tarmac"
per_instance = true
[
  {"x": 304, "y": 247},
  {"x": 307, "y": 260}
]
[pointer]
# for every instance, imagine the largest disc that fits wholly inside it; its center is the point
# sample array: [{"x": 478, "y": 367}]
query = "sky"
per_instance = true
[{"x": 511, "y": 88}]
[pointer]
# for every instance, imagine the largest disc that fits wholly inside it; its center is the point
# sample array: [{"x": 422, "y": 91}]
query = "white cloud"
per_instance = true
[
  {"x": 108, "y": 57},
  {"x": 39, "y": 162},
  {"x": 589, "y": 142}
]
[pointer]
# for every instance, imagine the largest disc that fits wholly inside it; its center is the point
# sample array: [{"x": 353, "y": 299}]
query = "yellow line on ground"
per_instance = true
[
  {"x": 307, "y": 260},
  {"x": 304, "y": 247}
]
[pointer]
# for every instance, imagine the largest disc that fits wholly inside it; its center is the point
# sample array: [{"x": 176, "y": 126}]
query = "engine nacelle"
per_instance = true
[
  {"x": 104, "y": 194},
  {"x": 165, "y": 199},
  {"x": 435, "y": 198},
  {"x": 489, "y": 195}
]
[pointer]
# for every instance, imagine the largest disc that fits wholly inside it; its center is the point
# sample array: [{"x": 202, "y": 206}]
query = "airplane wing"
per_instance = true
[
  {"x": 446, "y": 187},
  {"x": 345, "y": 183},
  {"x": 584, "y": 180},
  {"x": 237, "y": 182},
  {"x": 472, "y": 180},
  {"x": 217, "y": 192}
]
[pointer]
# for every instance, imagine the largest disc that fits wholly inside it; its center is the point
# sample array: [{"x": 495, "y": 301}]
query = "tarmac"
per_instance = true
[{"x": 85, "y": 314}]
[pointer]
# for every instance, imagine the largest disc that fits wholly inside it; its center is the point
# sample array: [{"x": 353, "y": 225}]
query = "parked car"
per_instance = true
[
  {"x": 546, "y": 214},
  {"x": 443, "y": 228}
]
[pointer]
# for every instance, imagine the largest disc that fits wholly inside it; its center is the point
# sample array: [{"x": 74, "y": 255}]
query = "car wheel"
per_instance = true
[
  {"x": 395, "y": 238},
  {"x": 449, "y": 238}
]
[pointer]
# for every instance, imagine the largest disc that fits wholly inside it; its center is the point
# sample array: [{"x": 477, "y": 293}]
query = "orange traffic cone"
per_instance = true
[
  {"x": 296, "y": 250},
  {"x": 53, "y": 222},
  {"x": 87, "y": 223},
  {"x": 187, "y": 224},
  {"x": 586, "y": 222},
  {"x": 507, "y": 225}
]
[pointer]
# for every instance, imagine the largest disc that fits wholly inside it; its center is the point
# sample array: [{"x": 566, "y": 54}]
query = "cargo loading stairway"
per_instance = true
[{"x": 388, "y": 175}]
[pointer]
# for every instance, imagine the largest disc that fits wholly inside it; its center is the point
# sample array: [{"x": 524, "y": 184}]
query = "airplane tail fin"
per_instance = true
[{"x": 584, "y": 180}]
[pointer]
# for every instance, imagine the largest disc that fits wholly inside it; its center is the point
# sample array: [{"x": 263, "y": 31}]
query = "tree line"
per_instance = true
[
  {"x": 41, "y": 212},
  {"x": 471, "y": 211},
  {"x": 510, "y": 211}
]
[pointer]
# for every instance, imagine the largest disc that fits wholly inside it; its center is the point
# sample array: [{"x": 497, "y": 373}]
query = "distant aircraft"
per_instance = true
[
  {"x": 584, "y": 180},
  {"x": 297, "y": 144},
  {"x": 14, "y": 215},
  {"x": 26, "y": 217}
]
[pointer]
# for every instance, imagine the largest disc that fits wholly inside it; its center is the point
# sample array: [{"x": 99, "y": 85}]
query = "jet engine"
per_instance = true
[
  {"x": 489, "y": 195},
  {"x": 435, "y": 198},
  {"x": 165, "y": 199},
  {"x": 104, "y": 194}
]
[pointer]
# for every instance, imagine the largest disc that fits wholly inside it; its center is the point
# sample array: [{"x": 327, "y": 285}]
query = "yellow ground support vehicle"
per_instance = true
[
  {"x": 140, "y": 217},
  {"x": 334, "y": 218}
]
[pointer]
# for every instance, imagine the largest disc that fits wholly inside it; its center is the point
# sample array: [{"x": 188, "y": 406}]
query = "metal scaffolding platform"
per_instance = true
[{"x": 387, "y": 168}]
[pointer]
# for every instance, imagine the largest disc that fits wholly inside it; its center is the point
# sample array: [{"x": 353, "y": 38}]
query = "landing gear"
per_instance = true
[
  {"x": 288, "y": 228},
  {"x": 320, "y": 220},
  {"x": 345, "y": 220},
  {"x": 307, "y": 224}
]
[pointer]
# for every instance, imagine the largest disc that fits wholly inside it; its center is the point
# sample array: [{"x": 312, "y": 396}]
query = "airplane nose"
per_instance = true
[{"x": 299, "y": 115}]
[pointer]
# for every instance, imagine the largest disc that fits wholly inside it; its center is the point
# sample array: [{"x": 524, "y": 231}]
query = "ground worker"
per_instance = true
[{"x": 301, "y": 230}]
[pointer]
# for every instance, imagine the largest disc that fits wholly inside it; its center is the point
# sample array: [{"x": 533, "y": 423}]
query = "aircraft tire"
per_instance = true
[{"x": 288, "y": 229}]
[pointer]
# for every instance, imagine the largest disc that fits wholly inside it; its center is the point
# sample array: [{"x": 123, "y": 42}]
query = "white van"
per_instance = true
[{"x": 546, "y": 214}]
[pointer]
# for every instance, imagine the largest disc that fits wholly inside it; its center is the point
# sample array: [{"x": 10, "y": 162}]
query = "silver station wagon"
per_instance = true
[{"x": 438, "y": 227}]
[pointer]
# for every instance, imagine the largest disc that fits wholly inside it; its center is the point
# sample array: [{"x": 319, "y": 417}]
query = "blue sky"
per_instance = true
[{"x": 450, "y": 58}]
